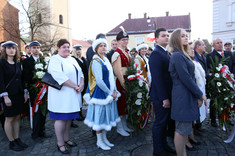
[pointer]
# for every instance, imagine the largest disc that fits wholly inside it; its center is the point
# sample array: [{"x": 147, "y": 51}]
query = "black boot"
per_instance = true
[
  {"x": 15, "y": 146},
  {"x": 21, "y": 143}
]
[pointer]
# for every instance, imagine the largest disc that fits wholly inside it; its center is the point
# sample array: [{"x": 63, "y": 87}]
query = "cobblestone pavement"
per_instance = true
[{"x": 135, "y": 145}]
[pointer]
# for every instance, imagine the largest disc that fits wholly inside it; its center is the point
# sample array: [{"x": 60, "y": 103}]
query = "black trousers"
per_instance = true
[
  {"x": 212, "y": 111},
  {"x": 38, "y": 124}
]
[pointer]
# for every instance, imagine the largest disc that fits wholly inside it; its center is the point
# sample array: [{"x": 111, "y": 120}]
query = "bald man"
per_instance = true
[{"x": 219, "y": 54}]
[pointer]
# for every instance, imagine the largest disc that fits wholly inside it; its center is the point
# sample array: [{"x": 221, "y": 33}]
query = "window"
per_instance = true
[
  {"x": 61, "y": 19},
  {"x": 233, "y": 12},
  {"x": 139, "y": 40},
  {"x": 39, "y": 18}
]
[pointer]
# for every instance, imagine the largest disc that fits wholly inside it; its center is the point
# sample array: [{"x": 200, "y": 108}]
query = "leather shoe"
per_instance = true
[
  {"x": 191, "y": 148},
  {"x": 214, "y": 124},
  {"x": 15, "y": 146},
  {"x": 193, "y": 142},
  {"x": 19, "y": 142},
  {"x": 168, "y": 149}
]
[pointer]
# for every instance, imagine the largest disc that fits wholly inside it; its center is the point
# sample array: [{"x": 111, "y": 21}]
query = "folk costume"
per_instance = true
[
  {"x": 102, "y": 113},
  {"x": 143, "y": 63},
  {"x": 121, "y": 60}
]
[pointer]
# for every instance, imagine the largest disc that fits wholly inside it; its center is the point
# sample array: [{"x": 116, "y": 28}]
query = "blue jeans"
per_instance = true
[{"x": 159, "y": 129}]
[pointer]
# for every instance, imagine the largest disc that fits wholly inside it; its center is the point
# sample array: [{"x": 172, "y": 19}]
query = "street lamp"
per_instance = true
[{"x": 154, "y": 23}]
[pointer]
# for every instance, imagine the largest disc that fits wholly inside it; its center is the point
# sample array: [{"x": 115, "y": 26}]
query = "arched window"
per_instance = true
[{"x": 61, "y": 19}]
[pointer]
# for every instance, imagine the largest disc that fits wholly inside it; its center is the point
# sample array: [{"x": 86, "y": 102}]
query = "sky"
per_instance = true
[{"x": 90, "y": 17}]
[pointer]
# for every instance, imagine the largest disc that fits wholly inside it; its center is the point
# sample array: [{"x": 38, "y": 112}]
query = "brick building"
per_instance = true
[{"x": 9, "y": 22}]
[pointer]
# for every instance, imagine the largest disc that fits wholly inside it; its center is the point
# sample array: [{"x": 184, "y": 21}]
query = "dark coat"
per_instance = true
[
  {"x": 16, "y": 86},
  {"x": 185, "y": 91},
  {"x": 28, "y": 68},
  {"x": 89, "y": 54},
  {"x": 202, "y": 60},
  {"x": 161, "y": 81},
  {"x": 83, "y": 66},
  {"x": 214, "y": 54},
  {"x": 110, "y": 54}
]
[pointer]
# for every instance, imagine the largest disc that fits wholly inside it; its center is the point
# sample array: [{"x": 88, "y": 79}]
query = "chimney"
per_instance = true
[
  {"x": 145, "y": 15},
  {"x": 129, "y": 16},
  {"x": 167, "y": 13}
]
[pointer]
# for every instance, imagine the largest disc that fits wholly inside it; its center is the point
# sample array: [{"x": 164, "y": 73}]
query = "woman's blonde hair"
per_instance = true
[
  {"x": 176, "y": 44},
  {"x": 74, "y": 53}
]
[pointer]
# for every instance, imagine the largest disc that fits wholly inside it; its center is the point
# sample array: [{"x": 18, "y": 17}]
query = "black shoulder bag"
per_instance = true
[{"x": 50, "y": 81}]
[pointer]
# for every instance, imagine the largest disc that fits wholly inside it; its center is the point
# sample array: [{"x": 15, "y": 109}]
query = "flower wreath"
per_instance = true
[
  {"x": 221, "y": 90},
  {"x": 137, "y": 97},
  {"x": 40, "y": 89}
]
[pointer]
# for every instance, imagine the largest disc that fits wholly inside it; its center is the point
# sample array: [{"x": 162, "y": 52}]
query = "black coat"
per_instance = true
[
  {"x": 28, "y": 68},
  {"x": 110, "y": 54},
  {"x": 83, "y": 66},
  {"x": 16, "y": 87},
  {"x": 89, "y": 55},
  {"x": 202, "y": 60},
  {"x": 214, "y": 54}
]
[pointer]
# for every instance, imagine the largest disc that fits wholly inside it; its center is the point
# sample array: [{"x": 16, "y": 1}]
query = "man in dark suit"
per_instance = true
[
  {"x": 28, "y": 74},
  {"x": 90, "y": 53},
  {"x": 160, "y": 92},
  {"x": 199, "y": 50},
  {"x": 219, "y": 54},
  {"x": 114, "y": 45}
]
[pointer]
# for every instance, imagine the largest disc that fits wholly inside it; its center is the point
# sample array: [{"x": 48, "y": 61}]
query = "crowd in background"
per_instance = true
[{"x": 176, "y": 68}]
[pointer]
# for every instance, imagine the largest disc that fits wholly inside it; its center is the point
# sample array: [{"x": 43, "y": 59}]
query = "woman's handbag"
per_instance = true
[{"x": 50, "y": 81}]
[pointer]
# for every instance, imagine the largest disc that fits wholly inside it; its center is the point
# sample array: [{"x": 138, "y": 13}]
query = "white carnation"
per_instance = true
[
  {"x": 138, "y": 102},
  {"x": 217, "y": 75},
  {"x": 219, "y": 84},
  {"x": 139, "y": 95},
  {"x": 40, "y": 74},
  {"x": 140, "y": 83},
  {"x": 39, "y": 66},
  {"x": 139, "y": 113}
]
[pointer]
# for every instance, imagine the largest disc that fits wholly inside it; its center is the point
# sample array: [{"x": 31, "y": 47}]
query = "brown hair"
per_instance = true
[
  {"x": 62, "y": 42},
  {"x": 176, "y": 44},
  {"x": 4, "y": 54}
]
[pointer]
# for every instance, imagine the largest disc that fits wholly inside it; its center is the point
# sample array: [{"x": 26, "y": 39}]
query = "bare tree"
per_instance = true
[{"x": 36, "y": 23}]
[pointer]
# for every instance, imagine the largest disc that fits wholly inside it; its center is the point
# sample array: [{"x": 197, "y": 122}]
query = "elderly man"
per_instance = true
[{"x": 219, "y": 54}]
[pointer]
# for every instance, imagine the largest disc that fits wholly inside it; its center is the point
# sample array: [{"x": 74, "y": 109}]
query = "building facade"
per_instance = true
[
  {"x": 56, "y": 17},
  {"x": 9, "y": 22},
  {"x": 224, "y": 21},
  {"x": 140, "y": 29}
]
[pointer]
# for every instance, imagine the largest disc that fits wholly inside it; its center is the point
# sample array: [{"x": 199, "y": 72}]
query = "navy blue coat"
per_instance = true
[
  {"x": 202, "y": 60},
  {"x": 161, "y": 81},
  {"x": 185, "y": 91}
]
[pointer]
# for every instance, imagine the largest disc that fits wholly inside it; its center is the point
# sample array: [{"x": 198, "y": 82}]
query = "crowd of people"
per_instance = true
[{"x": 176, "y": 69}]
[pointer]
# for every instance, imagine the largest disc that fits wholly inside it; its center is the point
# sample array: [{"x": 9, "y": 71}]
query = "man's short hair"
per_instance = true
[
  {"x": 227, "y": 43},
  {"x": 157, "y": 32},
  {"x": 197, "y": 43}
]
